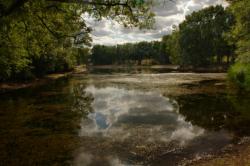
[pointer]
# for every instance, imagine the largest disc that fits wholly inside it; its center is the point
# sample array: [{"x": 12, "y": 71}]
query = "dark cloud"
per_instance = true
[{"x": 167, "y": 13}]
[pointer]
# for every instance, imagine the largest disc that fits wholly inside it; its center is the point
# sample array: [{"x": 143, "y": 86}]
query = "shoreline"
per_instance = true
[
  {"x": 171, "y": 68},
  {"x": 238, "y": 152},
  {"x": 233, "y": 154},
  {"x": 12, "y": 86}
]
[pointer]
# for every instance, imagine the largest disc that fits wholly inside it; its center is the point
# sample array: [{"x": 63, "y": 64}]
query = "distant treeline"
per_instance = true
[
  {"x": 38, "y": 37},
  {"x": 41, "y": 37},
  {"x": 201, "y": 40},
  {"x": 130, "y": 53},
  {"x": 213, "y": 36}
]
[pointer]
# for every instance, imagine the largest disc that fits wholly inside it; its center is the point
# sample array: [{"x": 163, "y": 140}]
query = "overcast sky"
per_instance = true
[{"x": 109, "y": 32}]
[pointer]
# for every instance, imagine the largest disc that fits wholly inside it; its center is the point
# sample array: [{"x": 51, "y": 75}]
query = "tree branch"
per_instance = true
[
  {"x": 19, "y": 3},
  {"x": 47, "y": 27},
  {"x": 56, "y": 34},
  {"x": 88, "y": 2}
]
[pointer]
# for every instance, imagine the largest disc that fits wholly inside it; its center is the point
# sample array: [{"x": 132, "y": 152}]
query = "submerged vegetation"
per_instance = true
[
  {"x": 108, "y": 118},
  {"x": 64, "y": 122}
]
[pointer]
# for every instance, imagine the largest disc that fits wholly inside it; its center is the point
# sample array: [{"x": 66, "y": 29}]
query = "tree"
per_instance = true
[
  {"x": 241, "y": 30},
  {"x": 130, "y": 53},
  {"x": 240, "y": 72},
  {"x": 158, "y": 52},
  {"x": 172, "y": 47},
  {"x": 40, "y": 36},
  {"x": 202, "y": 36}
]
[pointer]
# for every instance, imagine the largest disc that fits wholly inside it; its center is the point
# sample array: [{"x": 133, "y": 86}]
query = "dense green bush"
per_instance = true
[{"x": 240, "y": 74}]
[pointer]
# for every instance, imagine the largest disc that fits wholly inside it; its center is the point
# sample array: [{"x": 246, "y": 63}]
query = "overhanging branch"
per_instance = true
[
  {"x": 88, "y": 2},
  {"x": 19, "y": 3}
]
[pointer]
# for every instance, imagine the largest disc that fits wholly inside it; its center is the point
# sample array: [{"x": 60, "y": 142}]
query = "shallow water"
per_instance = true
[{"x": 121, "y": 119}]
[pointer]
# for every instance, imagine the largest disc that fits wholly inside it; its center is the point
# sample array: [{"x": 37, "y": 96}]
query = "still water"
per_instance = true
[{"x": 121, "y": 119}]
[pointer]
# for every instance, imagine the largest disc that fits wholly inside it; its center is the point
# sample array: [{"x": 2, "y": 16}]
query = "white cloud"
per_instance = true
[{"x": 168, "y": 13}]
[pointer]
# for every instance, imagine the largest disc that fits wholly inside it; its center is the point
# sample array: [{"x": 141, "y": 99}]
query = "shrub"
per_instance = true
[{"x": 239, "y": 73}]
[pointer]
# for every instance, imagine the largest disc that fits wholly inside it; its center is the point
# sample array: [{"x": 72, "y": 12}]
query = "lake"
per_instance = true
[{"x": 122, "y": 118}]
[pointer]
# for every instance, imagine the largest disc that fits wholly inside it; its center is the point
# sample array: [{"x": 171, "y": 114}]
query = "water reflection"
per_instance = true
[
  {"x": 121, "y": 113},
  {"x": 217, "y": 112},
  {"x": 120, "y": 120},
  {"x": 86, "y": 159}
]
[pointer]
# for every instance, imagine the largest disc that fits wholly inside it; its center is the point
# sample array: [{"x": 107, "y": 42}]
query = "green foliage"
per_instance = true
[
  {"x": 202, "y": 36},
  {"x": 130, "y": 53},
  {"x": 202, "y": 39},
  {"x": 240, "y": 74},
  {"x": 38, "y": 39},
  {"x": 241, "y": 30},
  {"x": 41, "y": 36},
  {"x": 172, "y": 47}
]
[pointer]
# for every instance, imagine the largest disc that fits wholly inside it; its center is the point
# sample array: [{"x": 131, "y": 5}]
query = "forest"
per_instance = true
[
  {"x": 41, "y": 37},
  {"x": 130, "y": 54},
  {"x": 45, "y": 36},
  {"x": 200, "y": 41},
  {"x": 213, "y": 36},
  {"x": 124, "y": 82}
]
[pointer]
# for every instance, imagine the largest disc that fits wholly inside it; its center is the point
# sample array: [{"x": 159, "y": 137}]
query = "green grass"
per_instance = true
[{"x": 239, "y": 73}]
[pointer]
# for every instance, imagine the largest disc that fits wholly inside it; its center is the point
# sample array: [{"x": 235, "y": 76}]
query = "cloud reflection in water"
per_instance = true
[{"x": 132, "y": 114}]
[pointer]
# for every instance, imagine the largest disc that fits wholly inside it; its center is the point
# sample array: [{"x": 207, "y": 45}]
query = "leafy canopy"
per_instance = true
[
  {"x": 202, "y": 36},
  {"x": 43, "y": 36}
]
